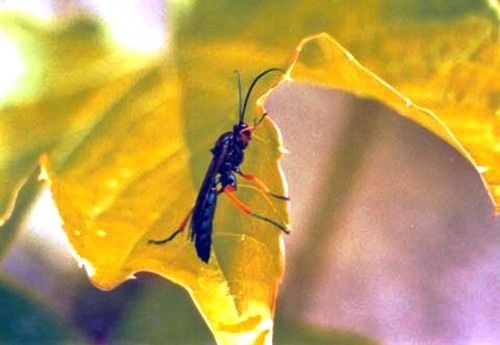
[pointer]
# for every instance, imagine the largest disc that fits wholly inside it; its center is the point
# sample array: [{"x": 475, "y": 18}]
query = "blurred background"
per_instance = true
[{"x": 393, "y": 237}]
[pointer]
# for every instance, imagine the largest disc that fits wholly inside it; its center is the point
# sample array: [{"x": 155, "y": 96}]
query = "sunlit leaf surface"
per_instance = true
[
  {"x": 132, "y": 181},
  {"x": 60, "y": 92}
]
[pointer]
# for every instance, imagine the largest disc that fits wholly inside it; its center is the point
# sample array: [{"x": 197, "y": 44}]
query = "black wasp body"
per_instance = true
[{"x": 228, "y": 154}]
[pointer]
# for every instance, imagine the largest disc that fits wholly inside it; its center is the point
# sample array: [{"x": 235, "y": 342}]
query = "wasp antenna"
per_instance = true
[
  {"x": 240, "y": 96},
  {"x": 253, "y": 85}
]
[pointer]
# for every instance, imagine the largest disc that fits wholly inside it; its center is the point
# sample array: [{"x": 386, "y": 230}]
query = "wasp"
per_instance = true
[{"x": 220, "y": 178}]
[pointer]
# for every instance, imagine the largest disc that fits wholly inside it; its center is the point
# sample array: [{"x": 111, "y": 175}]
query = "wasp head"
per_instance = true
[{"x": 242, "y": 134}]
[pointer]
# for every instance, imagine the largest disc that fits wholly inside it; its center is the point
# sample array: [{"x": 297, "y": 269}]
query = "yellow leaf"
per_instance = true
[
  {"x": 61, "y": 92},
  {"x": 133, "y": 181}
]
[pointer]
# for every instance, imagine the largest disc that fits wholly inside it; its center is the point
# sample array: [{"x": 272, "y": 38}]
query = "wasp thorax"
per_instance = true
[{"x": 228, "y": 179}]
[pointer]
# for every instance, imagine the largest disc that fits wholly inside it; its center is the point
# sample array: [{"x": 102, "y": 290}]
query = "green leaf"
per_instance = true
[
  {"x": 24, "y": 320},
  {"x": 162, "y": 314}
]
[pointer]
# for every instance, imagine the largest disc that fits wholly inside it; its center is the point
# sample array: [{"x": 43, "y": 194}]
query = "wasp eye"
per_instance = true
[{"x": 245, "y": 135}]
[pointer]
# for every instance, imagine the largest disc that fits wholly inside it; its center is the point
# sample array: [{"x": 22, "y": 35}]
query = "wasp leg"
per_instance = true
[
  {"x": 256, "y": 123},
  {"x": 181, "y": 228},
  {"x": 229, "y": 191},
  {"x": 261, "y": 185}
]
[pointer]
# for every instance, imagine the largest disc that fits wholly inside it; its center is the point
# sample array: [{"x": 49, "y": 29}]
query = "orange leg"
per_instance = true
[
  {"x": 229, "y": 191},
  {"x": 181, "y": 228},
  {"x": 261, "y": 185}
]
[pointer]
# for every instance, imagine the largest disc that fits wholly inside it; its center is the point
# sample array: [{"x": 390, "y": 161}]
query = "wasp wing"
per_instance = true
[{"x": 206, "y": 202}]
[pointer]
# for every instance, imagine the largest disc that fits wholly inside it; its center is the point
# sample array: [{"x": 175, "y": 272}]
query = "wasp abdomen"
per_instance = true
[{"x": 201, "y": 225}]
